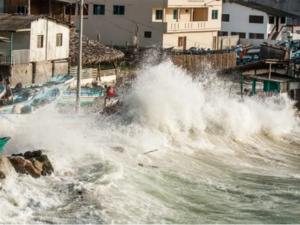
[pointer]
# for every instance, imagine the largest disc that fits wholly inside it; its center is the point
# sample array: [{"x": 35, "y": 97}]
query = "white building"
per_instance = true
[
  {"x": 33, "y": 40},
  {"x": 164, "y": 23},
  {"x": 255, "y": 21}
]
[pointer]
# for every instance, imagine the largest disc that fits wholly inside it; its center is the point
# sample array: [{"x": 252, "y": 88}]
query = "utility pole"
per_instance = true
[
  {"x": 28, "y": 7},
  {"x": 79, "y": 67}
]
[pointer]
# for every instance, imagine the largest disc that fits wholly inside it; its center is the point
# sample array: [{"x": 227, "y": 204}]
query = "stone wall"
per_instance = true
[{"x": 200, "y": 63}]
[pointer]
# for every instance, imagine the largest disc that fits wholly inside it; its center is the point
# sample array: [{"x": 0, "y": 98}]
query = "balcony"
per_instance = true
[{"x": 193, "y": 26}]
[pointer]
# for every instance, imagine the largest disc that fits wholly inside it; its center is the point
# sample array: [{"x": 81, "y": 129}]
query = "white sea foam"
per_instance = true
[{"x": 216, "y": 156}]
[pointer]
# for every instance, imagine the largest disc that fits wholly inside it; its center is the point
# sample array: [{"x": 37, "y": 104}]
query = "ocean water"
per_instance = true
[{"x": 182, "y": 150}]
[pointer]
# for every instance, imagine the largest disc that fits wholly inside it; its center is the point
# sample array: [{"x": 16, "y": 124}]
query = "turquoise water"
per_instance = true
[{"x": 190, "y": 153}]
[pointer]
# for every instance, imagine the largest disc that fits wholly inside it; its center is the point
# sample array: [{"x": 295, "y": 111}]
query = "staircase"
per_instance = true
[{"x": 275, "y": 35}]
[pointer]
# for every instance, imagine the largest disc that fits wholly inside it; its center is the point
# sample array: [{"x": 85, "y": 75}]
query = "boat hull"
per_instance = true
[{"x": 3, "y": 141}]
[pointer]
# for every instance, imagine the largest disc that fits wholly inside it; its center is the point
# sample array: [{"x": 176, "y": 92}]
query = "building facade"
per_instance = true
[
  {"x": 291, "y": 6},
  {"x": 180, "y": 24},
  {"x": 254, "y": 21}
]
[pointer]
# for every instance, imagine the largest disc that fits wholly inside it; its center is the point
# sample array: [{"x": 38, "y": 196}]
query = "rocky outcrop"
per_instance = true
[
  {"x": 32, "y": 163},
  {"x": 5, "y": 167}
]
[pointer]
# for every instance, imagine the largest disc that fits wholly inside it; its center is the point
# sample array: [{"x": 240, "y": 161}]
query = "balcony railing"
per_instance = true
[{"x": 192, "y": 26}]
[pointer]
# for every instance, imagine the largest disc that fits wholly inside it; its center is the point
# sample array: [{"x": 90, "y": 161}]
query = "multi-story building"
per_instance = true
[
  {"x": 291, "y": 6},
  {"x": 164, "y": 23},
  {"x": 251, "y": 20}
]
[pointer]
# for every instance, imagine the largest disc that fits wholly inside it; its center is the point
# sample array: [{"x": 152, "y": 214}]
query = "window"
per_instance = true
[
  {"x": 148, "y": 34},
  {"x": 119, "y": 10},
  {"x": 214, "y": 14},
  {"x": 70, "y": 10},
  {"x": 271, "y": 20},
  {"x": 225, "y": 17},
  {"x": 59, "y": 39},
  {"x": 222, "y": 33},
  {"x": 242, "y": 35},
  {"x": 85, "y": 9},
  {"x": 158, "y": 14},
  {"x": 22, "y": 9},
  {"x": 180, "y": 41},
  {"x": 282, "y": 20},
  {"x": 256, "y": 19},
  {"x": 175, "y": 13},
  {"x": 256, "y": 36},
  {"x": 99, "y": 9},
  {"x": 40, "y": 41}
]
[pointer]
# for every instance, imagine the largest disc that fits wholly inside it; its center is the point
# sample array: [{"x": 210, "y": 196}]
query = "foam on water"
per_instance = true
[{"x": 215, "y": 156}]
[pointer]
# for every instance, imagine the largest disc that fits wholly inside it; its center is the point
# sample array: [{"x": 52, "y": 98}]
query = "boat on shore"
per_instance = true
[
  {"x": 3, "y": 141},
  {"x": 28, "y": 98},
  {"x": 88, "y": 96}
]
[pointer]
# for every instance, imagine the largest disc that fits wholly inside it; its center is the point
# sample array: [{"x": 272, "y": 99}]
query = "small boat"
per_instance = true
[
  {"x": 3, "y": 141},
  {"x": 28, "y": 98},
  {"x": 88, "y": 95}
]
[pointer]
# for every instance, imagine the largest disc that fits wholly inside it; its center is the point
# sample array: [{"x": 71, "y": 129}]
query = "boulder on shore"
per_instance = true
[{"x": 33, "y": 163}]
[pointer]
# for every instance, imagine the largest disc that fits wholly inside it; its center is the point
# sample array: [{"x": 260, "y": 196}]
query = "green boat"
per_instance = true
[{"x": 3, "y": 141}]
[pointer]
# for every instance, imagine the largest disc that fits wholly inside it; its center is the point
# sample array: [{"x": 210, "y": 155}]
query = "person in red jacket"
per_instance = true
[{"x": 110, "y": 92}]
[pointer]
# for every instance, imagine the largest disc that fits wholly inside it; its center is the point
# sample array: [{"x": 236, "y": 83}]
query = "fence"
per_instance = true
[{"x": 202, "y": 63}]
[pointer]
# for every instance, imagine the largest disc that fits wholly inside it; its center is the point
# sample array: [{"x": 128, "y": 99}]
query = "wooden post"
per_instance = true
[
  {"x": 253, "y": 86},
  {"x": 11, "y": 48},
  {"x": 79, "y": 68},
  {"x": 99, "y": 72},
  {"x": 242, "y": 85},
  {"x": 53, "y": 68},
  {"x": 270, "y": 70},
  {"x": 33, "y": 72}
]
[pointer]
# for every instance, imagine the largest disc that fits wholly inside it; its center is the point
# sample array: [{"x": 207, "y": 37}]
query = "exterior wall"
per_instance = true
[
  {"x": 119, "y": 29},
  {"x": 21, "y": 73},
  {"x": 225, "y": 42},
  {"x": 239, "y": 20},
  {"x": 24, "y": 73},
  {"x": 291, "y": 6},
  {"x": 20, "y": 40},
  {"x": 37, "y": 6},
  {"x": 49, "y": 51},
  {"x": 199, "y": 40}
]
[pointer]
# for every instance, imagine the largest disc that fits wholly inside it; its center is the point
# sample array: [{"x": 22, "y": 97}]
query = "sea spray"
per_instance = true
[{"x": 216, "y": 161}]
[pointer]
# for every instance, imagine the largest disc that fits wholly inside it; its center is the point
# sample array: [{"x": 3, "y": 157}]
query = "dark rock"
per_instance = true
[
  {"x": 20, "y": 154},
  {"x": 32, "y": 154},
  {"x": 33, "y": 163},
  {"x": 47, "y": 166},
  {"x": 24, "y": 166},
  {"x": 2, "y": 175}
]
